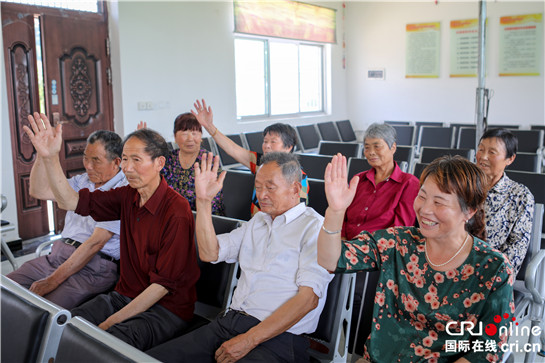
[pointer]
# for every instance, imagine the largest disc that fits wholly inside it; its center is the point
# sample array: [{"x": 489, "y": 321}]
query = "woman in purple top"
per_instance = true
[{"x": 178, "y": 171}]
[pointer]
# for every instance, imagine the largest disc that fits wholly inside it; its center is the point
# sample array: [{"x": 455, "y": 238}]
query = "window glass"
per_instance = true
[
  {"x": 284, "y": 78},
  {"x": 250, "y": 77}
]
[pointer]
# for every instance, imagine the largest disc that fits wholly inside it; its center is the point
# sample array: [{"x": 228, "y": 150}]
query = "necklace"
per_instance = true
[{"x": 450, "y": 259}]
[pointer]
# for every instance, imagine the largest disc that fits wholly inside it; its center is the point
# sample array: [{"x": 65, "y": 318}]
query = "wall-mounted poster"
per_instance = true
[
  {"x": 521, "y": 45},
  {"x": 464, "y": 47},
  {"x": 422, "y": 50}
]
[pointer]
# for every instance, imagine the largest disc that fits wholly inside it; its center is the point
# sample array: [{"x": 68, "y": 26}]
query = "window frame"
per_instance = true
[{"x": 267, "y": 84}]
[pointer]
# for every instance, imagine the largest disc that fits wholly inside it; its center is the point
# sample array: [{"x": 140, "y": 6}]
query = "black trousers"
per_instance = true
[
  {"x": 143, "y": 331},
  {"x": 200, "y": 345}
]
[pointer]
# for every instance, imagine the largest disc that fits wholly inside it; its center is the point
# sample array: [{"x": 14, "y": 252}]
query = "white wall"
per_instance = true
[
  {"x": 375, "y": 33},
  {"x": 172, "y": 53}
]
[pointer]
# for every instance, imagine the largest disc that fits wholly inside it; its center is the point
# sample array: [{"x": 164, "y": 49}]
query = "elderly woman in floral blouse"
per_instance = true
[
  {"x": 509, "y": 206},
  {"x": 178, "y": 170},
  {"x": 432, "y": 278}
]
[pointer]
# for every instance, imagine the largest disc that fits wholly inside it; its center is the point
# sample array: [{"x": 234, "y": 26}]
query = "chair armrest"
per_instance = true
[{"x": 530, "y": 277}]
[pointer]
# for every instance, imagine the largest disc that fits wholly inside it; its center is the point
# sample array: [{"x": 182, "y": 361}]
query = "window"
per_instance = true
[
  {"x": 81, "y": 5},
  {"x": 278, "y": 77}
]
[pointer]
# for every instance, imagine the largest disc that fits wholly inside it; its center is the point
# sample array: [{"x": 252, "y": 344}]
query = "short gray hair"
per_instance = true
[
  {"x": 381, "y": 131},
  {"x": 288, "y": 162}
]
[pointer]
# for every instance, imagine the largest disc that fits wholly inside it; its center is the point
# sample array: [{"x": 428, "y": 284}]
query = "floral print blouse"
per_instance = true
[
  {"x": 414, "y": 303},
  {"x": 509, "y": 213},
  {"x": 183, "y": 181}
]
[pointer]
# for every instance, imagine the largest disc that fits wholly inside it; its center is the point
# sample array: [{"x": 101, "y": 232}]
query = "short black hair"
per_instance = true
[
  {"x": 110, "y": 140},
  {"x": 509, "y": 140},
  {"x": 286, "y": 132},
  {"x": 155, "y": 143}
]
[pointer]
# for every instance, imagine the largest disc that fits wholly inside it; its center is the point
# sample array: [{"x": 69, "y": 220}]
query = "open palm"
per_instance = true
[
  {"x": 203, "y": 114},
  {"x": 207, "y": 182},
  {"x": 338, "y": 193},
  {"x": 46, "y": 139}
]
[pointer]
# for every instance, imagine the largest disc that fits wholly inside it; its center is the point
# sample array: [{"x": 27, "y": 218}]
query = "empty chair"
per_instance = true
[
  {"x": 238, "y": 188},
  {"x": 428, "y": 154},
  {"x": 348, "y": 149},
  {"x": 539, "y": 127},
  {"x": 405, "y": 135},
  {"x": 31, "y": 325},
  {"x": 316, "y": 196},
  {"x": 418, "y": 168},
  {"x": 404, "y": 153},
  {"x": 402, "y": 123},
  {"x": 466, "y": 138},
  {"x": 346, "y": 131},
  {"x": 357, "y": 165},
  {"x": 529, "y": 141},
  {"x": 436, "y": 137},
  {"x": 419, "y": 124},
  {"x": 254, "y": 141},
  {"x": 458, "y": 126},
  {"x": 82, "y": 341},
  {"x": 314, "y": 165},
  {"x": 309, "y": 137},
  {"x": 226, "y": 159},
  {"x": 328, "y": 131},
  {"x": 526, "y": 162}
]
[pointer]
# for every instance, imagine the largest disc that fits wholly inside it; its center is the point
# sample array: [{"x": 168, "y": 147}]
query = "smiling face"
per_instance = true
[
  {"x": 272, "y": 141},
  {"x": 274, "y": 193},
  {"x": 491, "y": 158},
  {"x": 97, "y": 165},
  {"x": 439, "y": 214},
  {"x": 189, "y": 141},
  {"x": 140, "y": 170},
  {"x": 377, "y": 152}
]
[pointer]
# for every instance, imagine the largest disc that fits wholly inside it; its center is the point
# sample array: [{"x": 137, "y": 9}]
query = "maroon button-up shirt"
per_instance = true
[{"x": 156, "y": 242}]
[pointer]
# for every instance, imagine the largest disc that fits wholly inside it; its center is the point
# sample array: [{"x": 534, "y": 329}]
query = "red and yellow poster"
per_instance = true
[
  {"x": 464, "y": 47},
  {"x": 422, "y": 50}
]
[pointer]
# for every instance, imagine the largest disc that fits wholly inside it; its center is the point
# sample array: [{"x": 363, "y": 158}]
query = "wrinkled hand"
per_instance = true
[
  {"x": 46, "y": 139},
  {"x": 43, "y": 286},
  {"x": 142, "y": 125},
  {"x": 204, "y": 115},
  {"x": 207, "y": 182},
  {"x": 339, "y": 194},
  {"x": 234, "y": 349}
]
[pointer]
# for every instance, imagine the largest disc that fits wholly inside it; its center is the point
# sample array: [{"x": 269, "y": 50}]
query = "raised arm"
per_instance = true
[
  {"x": 283, "y": 318},
  {"x": 339, "y": 196},
  {"x": 74, "y": 263},
  {"x": 48, "y": 141},
  {"x": 206, "y": 119},
  {"x": 207, "y": 186},
  {"x": 39, "y": 185}
]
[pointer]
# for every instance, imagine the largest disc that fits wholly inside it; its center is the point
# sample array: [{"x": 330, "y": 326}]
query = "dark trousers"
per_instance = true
[
  {"x": 143, "y": 331},
  {"x": 200, "y": 345}
]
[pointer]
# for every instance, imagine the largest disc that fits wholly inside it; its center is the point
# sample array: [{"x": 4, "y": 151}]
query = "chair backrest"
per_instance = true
[
  {"x": 345, "y": 130},
  {"x": 405, "y": 134},
  {"x": 534, "y": 182},
  {"x": 208, "y": 145},
  {"x": 404, "y": 153},
  {"x": 436, "y": 136},
  {"x": 529, "y": 141},
  {"x": 429, "y": 154},
  {"x": 526, "y": 162},
  {"x": 226, "y": 159},
  {"x": 309, "y": 137},
  {"x": 328, "y": 131},
  {"x": 82, "y": 341},
  {"x": 238, "y": 188},
  {"x": 334, "y": 323},
  {"x": 314, "y": 165},
  {"x": 316, "y": 196},
  {"x": 466, "y": 138},
  {"x": 397, "y": 123},
  {"x": 457, "y": 133},
  {"x": 31, "y": 325},
  {"x": 539, "y": 127},
  {"x": 357, "y": 165},
  {"x": 348, "y": 149},
  {"x": 498, "y": 126},
  {"x": 254, "y": 141},
  {"x": 535, "y": 240},
  {"x": 418, "y": 168}
]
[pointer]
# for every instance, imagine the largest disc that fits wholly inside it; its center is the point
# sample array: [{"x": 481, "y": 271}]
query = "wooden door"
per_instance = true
[
  {"x": 78, "y": 88},
  {"x": 77, "y": 92},
  {"x": 23, "y": 99}
]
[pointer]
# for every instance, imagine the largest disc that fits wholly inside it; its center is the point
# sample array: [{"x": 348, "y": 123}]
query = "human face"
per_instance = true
[
  {"x": 439, "y": 214},
  {"x": 378, "y": 154},
  {"x": 97, "y": 165},
  {"x": 273, "y": 142},
  {"x": 491, "y": 158},
  {"x": 274, "y": 193},
  {"x": 189, "y": 141},
  {"x": 141, "y": 171}
]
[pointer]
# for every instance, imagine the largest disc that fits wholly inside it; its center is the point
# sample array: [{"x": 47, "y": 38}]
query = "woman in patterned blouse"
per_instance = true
[
  {"x": 509, "y": 206},
  {"x": 433, "y": 278},
  {"x": 178, "y": 171}
]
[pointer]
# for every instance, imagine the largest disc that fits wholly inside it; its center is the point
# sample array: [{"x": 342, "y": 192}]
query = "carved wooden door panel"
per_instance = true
[
  {"x": 78, "y": 91},
  {"x": 23, "y": 99}
]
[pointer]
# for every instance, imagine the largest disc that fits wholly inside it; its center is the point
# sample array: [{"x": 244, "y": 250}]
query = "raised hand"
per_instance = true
[
  {"x": 46, "y": 139},
  {"x": 142, "y": 125},
  {"x": 204, "y": 115},
  {"x": 207, "y": 182},
  {"x": 338, "y": 193}
]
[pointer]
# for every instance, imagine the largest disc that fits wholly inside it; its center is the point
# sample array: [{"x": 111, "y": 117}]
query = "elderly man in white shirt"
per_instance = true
[{"x": 281, "y": 291}]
